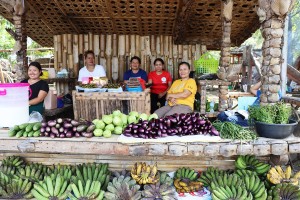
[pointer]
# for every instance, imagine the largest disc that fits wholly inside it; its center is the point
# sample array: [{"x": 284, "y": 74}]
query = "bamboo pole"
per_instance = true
[
  {"x": 185, "y": 56},
  {"x": 102, "y": 52},
  {"x": 55, "y": 52},
  {"x": 65, "y": 49},
  {"x": 80, "y": 44},
  {"x": 86, "y": 42},
  {"x": 91, "y": 42},
  {"x": 121, "y": 50},
  {"x": 132, "y": 46},
  {"x": 96, "y": 48},
  {"x": 69, "y": 44},
  {"x": 127, "y": 45},
  {"x": 161, "y": 38},
  {"x": 198, "y": 51},
  {"x": 59, "y": 51},
  {"x": 171, "y": 47},
  {"x": 108, "y": 56},
  {"x": 166, "y": 47},
  {"x": 115, "y": 61},
  {"x": 75, "y": 55},
  {"x": 152, "y": 45},
  {"x": 158, "y": 52},
  {"x": 148, "y": 53},
  {"x": 142, "y": 52},
  {"x": 137, "y": 45}
]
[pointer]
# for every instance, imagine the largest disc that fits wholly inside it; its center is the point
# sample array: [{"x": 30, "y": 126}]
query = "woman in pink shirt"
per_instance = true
[{"x": 160, "y": 81}]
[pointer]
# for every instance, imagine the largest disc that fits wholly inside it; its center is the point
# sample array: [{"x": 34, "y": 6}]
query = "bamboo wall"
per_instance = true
[{"x": 113, "y": 52}]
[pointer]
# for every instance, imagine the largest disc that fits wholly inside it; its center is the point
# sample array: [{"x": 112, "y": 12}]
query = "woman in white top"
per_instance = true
[{"x": 90, "y": 69}]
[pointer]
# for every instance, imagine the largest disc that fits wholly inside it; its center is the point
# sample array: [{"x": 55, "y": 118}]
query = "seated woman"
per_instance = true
[
  {"x": 181, "y": 95},
  {"x": 39, "y": 88},
  {"x": 90, "y": 69},
  {"x": 160, "y": 81}
]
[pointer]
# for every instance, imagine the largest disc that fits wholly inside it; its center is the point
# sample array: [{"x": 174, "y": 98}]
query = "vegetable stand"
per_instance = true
[
  {"x": 90, "y": 106},
  {"x": 169, "y": 155}
]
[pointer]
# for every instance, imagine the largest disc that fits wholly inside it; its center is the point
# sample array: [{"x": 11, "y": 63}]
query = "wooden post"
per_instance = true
[
  {"x": 108, "y": 56},
  {"x": 75, "y": 55}
]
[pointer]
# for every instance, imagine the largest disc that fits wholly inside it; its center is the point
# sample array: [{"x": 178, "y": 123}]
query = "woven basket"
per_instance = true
[{"x": 206, "y": 65}]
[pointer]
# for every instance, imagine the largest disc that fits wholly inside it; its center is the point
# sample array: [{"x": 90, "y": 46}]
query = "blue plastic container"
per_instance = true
[{"x": 134, "y": 89}]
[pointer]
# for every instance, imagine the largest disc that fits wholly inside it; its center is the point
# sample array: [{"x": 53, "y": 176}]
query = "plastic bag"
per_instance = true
[{"x": 35, "y": 117}]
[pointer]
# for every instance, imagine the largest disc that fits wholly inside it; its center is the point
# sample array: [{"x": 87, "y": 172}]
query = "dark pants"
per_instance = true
[
  {"x": 155, "y": 100},
  {"x": 236, "y": 119}
]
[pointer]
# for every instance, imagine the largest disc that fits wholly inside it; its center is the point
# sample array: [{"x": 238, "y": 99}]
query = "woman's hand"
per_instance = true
[
  {"x": 160, "y": 95},
  {"x": 172, "y": 101}
]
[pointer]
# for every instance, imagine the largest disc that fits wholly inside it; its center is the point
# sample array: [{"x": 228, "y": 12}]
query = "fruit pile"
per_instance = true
[
  {"x": 115, "y": 122},
  {"x": 21, "y": 180},
  {"x": 176, "y": 124}
]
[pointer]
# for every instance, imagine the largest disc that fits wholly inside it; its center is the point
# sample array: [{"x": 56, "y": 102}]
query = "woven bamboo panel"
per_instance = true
[
  {"x": 201, "y": 24},
  {"x": 105, "y": 103}
]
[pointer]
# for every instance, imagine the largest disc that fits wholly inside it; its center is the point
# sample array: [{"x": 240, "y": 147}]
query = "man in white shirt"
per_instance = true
[{"x": 90, "y": 69}]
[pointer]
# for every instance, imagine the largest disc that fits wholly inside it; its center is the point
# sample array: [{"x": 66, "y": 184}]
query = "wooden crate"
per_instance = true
[{"x": 90, "y": 106}]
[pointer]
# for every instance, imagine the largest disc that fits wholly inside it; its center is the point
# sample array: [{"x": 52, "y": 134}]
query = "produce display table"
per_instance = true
[
  {"x": 90, "y": 106},
  {"x": 169, "y": 155}
]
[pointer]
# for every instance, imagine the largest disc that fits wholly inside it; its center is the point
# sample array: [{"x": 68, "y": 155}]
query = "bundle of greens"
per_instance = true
[
  {"x": 229, "y": 130},
  {"x": 278, "y": 113}
]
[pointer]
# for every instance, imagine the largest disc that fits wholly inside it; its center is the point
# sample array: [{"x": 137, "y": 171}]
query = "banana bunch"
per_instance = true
[
  {"x": 13, "y": 161},
  {"x": 245, "y": 172},
  {"x": 31, "y": 173},
  {"x": 62, "y": 170},
  {"x": 210, "y": 174},
  {"x": 226, "y": 180},
  {"x": 123, "y": 188},
  {"x": 117, "y": 174},
  {"x": 186, "y": 173},
  {"x": 231, "y": 193},
  {"x": 251, "y": 163},
  {"x": 185, "y": 185},
  {"x": 92, "y": 172},
  {"x": 17, "y": 189},
  {"x": 277, "y": 175},
  {"x": 257, "y": 188},
  {"x": 159, "y": 191},
  {"x": 49, "y": 188},
  {"x": 4, "y": 179},
  {"x": 143, "y": 173},
  {"x": 9, "y": 170},
  {"x": 90, "y": 191},
  {"x": 165, "y": 178},
  {"x": 284, "y": 191}
]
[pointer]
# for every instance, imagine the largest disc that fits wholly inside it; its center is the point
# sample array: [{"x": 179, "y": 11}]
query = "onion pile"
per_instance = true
[
  {"x": 176, "y": 124},
  {"x": 67, "y": 128}
]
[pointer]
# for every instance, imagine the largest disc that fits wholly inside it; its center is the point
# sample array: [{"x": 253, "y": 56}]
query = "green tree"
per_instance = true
[{"x": 7, "y": 41}]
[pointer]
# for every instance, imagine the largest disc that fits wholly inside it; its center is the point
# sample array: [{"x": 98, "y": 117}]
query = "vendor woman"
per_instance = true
[
  {"x": 135, "y": 71},
  {"x": 90, "y": 69},
  {"x": 38, "y": 87}
]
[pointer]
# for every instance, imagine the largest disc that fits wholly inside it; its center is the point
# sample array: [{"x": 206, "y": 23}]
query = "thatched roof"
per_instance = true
[{"x": 188, "y": 21}]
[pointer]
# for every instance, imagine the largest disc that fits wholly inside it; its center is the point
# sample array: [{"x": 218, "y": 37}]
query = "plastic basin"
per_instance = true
[{"x": 276, "y": 131}]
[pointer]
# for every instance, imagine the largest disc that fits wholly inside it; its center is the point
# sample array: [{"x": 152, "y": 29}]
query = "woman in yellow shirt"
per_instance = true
[{"x": 181, "y": 95}]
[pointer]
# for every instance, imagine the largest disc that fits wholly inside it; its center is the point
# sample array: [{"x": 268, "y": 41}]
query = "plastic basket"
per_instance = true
[
  {"x": 206, "y": 64},
  {"x": 134, "y": 89}
]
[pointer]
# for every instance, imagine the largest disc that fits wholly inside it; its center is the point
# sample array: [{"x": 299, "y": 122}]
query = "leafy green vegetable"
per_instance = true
[{"x": 278, "y": 113}]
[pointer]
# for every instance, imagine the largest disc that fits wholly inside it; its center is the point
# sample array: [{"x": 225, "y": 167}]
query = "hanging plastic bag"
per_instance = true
[{"x": 35, "y": 117}]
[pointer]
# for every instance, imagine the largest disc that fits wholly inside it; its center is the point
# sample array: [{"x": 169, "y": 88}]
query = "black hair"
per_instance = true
[
  {"x": 89, "y": 52},
  {"x": 184, "y": 63},
  {"x": 36, "y": 64},
  {"x": 159, "y": 59},
  {"x": 137, "y": 58}
]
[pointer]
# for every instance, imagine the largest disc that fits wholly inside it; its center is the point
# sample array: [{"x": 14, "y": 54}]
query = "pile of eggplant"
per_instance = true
[
  {"x": 176, "y": 124},
  {"x": 67, "y": 128}
]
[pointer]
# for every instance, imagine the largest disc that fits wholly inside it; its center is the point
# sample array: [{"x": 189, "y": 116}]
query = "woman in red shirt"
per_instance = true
[{"x": 161, "y": 81}]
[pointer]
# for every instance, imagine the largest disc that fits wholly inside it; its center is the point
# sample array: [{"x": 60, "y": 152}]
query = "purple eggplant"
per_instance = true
[
  {"x": 62, "y": 135},
  {"x": 74, "y": 129},
  {"x": 69, "y": 134},
  {"x": 47, "y": 134},
  {"x": 141, "y": 135},
  {"x": 54, "y": 130},
  {"x": 87, "y": 134},
  {"x": 42, "y": 130},
  {"x": 48, "y": 129},
  {"x": 68, "y": 125},
  {"x": 57, "y": 126},
  {"x": 67, "y": 119},
  {"x": 42, "y": 134},
  {"x": 127, "y": 134},
  {"x": 74, "y": 122},
  {"x": 213, "y": 131},
  {"x": 141, "y": 130},
  {"x": 44, "y": 124},
  {"x": 52, "y": 135},
  {"x": 164, "y": 135},
  {"x": 159, "y": 133},
  {"x": 77, "y": 134},
  {"x": 51, "y": 123}
]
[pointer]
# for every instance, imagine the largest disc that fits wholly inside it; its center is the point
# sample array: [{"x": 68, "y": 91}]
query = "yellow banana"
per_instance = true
[
  {"x": 288, "y": 172},
  {"x": 280, "y": 171}
]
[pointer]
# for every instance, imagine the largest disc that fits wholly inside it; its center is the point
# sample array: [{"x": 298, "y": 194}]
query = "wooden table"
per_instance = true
[
  {"x": 169, "y": 155},
  {"x": 66, "y": 111}
]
